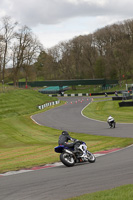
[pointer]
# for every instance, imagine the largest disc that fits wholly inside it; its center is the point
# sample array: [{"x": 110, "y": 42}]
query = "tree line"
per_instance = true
[{"x": 107, "y": 53}]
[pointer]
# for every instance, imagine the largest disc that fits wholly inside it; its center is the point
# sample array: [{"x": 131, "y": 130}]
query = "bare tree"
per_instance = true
[
  {"x": 31, "y": 54},
  {"x": 24, "y": 51},
  {"x": 89, "y": 56},
  {"x": 7, "y": 31},
  {"x": 1, "y": 53}
]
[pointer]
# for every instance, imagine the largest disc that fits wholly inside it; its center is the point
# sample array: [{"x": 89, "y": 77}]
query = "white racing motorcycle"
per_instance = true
[{"x": 69, "y": 157}]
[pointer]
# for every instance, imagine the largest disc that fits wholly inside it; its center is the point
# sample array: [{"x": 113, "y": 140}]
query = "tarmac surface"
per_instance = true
[
  {"x": 69, "y": 117},
  {"x": 59, "y": 183}
]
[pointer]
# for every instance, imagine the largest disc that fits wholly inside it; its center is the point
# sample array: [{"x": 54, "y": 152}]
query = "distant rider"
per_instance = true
[
  {"x": 106, "y": 94},
  {"x": 110, "y": 120},
  {"x": 116, "y": 94}
]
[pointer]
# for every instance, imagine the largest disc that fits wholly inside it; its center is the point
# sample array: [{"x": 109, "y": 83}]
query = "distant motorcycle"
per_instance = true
[
  {"x": 69, "y": 157},
  {"x": 111, "y": 122}
]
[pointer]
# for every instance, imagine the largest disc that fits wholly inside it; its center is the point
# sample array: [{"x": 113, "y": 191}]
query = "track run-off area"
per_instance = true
[{"x": 60, "y": 182}]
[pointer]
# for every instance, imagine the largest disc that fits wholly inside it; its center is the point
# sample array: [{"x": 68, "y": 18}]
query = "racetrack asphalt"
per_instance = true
[
  {"x": 58, "y": 183},
  {"x": 68, "y": 117}
]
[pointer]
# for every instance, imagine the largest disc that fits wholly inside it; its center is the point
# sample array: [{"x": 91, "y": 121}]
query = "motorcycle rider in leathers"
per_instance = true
[
  {"x": 63, "y": 139},
  {"x": 110, "y": 120}
]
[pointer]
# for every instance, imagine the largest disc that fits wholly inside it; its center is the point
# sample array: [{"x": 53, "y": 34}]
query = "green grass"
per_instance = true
[
  {"x": 84, "y": 89},
  {"x": 119, "y": 193},
  {"x": 102, "y": 109},
  {"x": 18, "y": 132},
  {"x": 20, "y": 102},
  {"x": 24, "y": 144},
  {"x": 95, "y": 89}
]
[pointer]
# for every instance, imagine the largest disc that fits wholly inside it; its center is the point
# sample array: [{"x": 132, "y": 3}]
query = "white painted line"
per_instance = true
[
  {"x": 98, "y": 155},
  {"x": 88, "y": 117},
  {"x": 35, "y": 121},
  {"x": 15, "y": 172}
]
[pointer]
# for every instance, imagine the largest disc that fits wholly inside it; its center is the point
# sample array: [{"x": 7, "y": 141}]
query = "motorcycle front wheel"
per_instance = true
[
  {"x": 67, "y": 159},
  {"x": 91, "y": 157}
]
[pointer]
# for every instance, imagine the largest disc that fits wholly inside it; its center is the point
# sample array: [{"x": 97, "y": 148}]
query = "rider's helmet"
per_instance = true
[
  {"x": 65, "y": 133},
  {"x": 110, "y": 118}
]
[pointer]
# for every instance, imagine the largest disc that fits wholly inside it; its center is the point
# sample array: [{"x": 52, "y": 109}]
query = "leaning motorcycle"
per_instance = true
[{"x": 69, "y": 157}]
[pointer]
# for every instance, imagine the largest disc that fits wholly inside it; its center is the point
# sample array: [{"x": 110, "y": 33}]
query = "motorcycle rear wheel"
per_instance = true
[{"x": 67, "y": 159}]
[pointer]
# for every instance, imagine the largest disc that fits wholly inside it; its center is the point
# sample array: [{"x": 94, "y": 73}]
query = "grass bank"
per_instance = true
[
  {"x": 123, "y": 193},
  {"x": 24, "y": 144},
  {"x": 100, "y": 110}
]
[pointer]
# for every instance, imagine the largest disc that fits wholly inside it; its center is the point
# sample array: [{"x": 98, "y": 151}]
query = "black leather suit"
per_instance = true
[{"x": 63, "y": 140}]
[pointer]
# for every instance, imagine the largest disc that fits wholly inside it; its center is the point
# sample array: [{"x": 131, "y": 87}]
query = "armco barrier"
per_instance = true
[
  {"x": 126, "y": 103},
  {"x": 83, "y": 94},
  {"x": 121, "y": 98},
  {"x": 116, "y": 98},
  {"x": 70, "y": 95},
  {"x": 48, "y": 104},
  {"x": 79, "y": 94}
]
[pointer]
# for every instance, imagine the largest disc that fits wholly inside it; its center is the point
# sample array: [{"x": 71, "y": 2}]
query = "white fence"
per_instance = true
[{"x": 48, "y": 104}]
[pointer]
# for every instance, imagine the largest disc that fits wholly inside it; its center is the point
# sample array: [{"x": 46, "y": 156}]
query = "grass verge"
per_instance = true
[
  {"x": 123, "y": 193},
  {"x": 24, "y": 144},
  {"x": 100, "y": 110}
]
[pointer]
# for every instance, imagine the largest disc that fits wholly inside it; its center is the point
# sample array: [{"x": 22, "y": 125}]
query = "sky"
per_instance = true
[{"x": 54, "y": 21}]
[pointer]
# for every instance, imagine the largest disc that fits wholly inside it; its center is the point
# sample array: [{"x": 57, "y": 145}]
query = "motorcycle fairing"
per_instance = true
[{"x": 60, "y": 148}]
